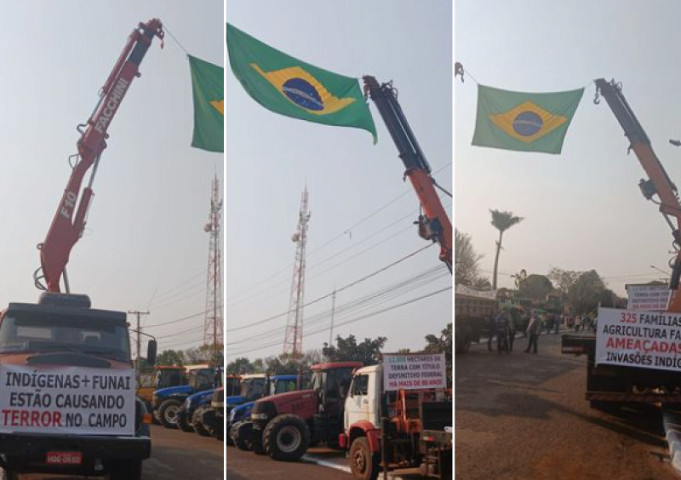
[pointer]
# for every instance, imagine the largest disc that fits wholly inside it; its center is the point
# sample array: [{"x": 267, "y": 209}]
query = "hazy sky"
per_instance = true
[
  {"x": 144, "y": 247},
  {"x": 583, "y": 209},
  {"x": 362, "y": 211}
]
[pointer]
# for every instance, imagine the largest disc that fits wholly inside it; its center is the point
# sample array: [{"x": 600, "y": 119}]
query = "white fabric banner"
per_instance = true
[
  {"x": 414, "y": 371},
  {"x": 639, "y": 339},
  {"x": 648, "y": 297},
  {"x": 67, "y": 400}
]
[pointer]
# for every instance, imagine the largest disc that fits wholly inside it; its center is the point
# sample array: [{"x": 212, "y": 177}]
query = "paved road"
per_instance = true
[
  {"x": 317, "y": 463},
  {"x": 523, "y": 416},
  {"x": 175, "y": 455}
]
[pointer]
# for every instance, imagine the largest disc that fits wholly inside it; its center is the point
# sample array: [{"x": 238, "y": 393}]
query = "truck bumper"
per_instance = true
[{"x": 28, "y": 452}]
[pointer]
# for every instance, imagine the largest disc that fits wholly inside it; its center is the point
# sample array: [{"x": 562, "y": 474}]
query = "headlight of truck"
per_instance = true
[
  {"x": 187, "y": 404},
  {"x": 259, "y": 416},
  {"x": 232, "y": 416}
]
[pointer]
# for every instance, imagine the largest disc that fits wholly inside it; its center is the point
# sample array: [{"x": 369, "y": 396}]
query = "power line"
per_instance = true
[
  {"x": 250, "y": 348},
  {"x": 260, "y": 322}
]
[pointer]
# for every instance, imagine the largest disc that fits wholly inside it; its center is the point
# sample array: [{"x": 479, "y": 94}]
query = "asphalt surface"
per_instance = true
[
  {"x": 524, "y": 416},
  {"x": 174, "y": 455},
  {"x": 317, "y": 463}
]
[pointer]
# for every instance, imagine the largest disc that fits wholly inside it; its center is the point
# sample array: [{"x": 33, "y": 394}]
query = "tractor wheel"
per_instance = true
[
  {"x": 183, "y": 423},
  {"x": 363, "y": 462},
  {"x": 168, "y": 412},
  {"x": 286, "y": 438},
  {"x": 197, "y": 421}
]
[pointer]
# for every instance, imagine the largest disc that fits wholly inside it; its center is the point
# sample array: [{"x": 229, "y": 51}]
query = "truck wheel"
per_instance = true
[
  {"x": 183, "y": 423},
  {"x": 199, "y": 427},
  {"x": 168, "y": 412},
  {"x": 363, "y": 463},
  {"x": 126, "y": 470},
  {"x": 286, "y": 438}
]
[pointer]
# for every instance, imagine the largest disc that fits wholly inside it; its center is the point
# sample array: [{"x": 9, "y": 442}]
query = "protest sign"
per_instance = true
[
  {"x": 648, "y": 297},
  {"x": 413, "y": 371},
  {"x": 639, "y": 339},
  {"x": 67, "y": 400}
]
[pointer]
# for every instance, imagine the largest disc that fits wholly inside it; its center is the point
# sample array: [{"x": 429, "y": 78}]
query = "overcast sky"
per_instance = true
[
  {"x": 144, "y": 247},
  {"x": 362, "y": 212},
  {"x": 583, "y": 209}
]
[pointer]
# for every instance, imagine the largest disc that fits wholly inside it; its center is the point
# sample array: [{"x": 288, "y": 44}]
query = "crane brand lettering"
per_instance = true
[
  {"x": 112, "y": 105},
  {"x": 68, "y": 205}
]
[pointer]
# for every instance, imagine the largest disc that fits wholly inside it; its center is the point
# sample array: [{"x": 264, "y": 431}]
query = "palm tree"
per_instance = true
[{"x": 502, "y": 221}]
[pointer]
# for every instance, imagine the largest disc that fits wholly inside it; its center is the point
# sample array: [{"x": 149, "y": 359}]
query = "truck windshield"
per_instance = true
[{"x": 52, "y": 333}]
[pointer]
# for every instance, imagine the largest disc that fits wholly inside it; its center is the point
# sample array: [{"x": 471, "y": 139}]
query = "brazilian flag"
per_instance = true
[
  {"x": 209, "y": 105},
  {"x": 296, "y": 89},
  {"x": 531, "y": 122}
]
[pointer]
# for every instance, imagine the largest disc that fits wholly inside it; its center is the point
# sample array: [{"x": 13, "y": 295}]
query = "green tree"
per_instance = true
[
  {"x": 347, "y": 349},
  {"x": 466, "y": 269},
  {"x": 585, "y": 293},
  {"x": 240, "y": 366},
  {"x": 535, "y": 287},
  {"x": 442, "y": 343},
  {"x": 563, "y": 280},
  {"x": 170, "y": 357},
  {"x": 502, "y": 221}
]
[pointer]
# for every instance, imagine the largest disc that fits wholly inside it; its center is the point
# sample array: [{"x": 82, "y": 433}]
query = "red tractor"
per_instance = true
[{"x": 284, "y": 426}]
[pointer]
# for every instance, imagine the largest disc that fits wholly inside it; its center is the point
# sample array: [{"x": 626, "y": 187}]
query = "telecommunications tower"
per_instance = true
[
  {"x": 212, "y": 327},
  {"x": 293, "y": 343}
]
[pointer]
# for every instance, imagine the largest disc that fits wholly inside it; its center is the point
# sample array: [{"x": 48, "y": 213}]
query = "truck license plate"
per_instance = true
[{"x": 64, "y": 458}]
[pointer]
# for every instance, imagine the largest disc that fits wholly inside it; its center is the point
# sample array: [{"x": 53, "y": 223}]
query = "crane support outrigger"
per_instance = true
[
  {"x": 69, "y": 220},
  {"x": 434, "y": 224}
]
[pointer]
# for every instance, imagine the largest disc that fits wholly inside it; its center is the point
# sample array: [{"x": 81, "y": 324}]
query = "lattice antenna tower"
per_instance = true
[
  {"x": 212, "y": 326},
  {"x": 293, "y": 343}
]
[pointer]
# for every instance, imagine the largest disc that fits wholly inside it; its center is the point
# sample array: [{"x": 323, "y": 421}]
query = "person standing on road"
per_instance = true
[
  {"x": 511, "y": 332},
  {"x": 502, "y": 331},
  {"x": 533, "y": 329},
  {"x": 556, "y": 324},
  {"x": 492, "y": 330}
]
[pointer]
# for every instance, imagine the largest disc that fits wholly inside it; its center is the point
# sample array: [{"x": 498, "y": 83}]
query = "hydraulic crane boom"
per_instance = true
[
  {"x": 69, "y": 220},
  {"x": 658, "y": 183},
  {"x": 434, "y": 224}
]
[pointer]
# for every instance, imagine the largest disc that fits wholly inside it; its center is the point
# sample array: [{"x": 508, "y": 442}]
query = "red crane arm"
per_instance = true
[
  {"x": 434, "y": 224},
  {"x": 69, "y": 220},
  {"x": 658, "y": 182}
]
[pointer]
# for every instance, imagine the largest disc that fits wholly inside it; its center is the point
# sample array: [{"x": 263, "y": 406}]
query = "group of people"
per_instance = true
[{"x": 503, "y": 328}]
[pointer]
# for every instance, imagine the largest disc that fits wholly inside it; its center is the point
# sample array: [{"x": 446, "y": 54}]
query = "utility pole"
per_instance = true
[{"x": 139, "y": 340}]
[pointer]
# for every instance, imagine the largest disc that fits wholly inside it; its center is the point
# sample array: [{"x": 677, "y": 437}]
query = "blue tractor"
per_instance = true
[
  {"x": 277, "y": 384},
  {"x": 191, "y": 411},
  {"x": 166, "y": 402}
]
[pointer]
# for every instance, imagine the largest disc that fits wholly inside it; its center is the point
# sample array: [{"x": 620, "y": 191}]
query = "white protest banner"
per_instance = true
[
  {"x": 67, "y": 400},
  {"x": 413, "y": 371},
  {"x": 648, "y": 297},
  {"x": 639, "y": 339}
]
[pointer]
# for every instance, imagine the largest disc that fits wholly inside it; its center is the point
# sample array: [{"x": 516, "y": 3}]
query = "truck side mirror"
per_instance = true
[{"x": 151, "y": 352}]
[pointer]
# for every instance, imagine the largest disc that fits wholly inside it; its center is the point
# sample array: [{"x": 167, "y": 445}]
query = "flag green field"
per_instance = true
[
  {"x": 535, "y": 122},
  {"x": 209, "y": 101},
  {"x": 287, "y": 86}
]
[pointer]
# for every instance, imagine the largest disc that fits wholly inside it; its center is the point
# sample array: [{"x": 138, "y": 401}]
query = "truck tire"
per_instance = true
[
  {"x": 286, "y": 438},
  {"x": 126, "y": 470},
  {"x": 363, "y": 463},
  {"x": 167, "y": 412},
  {"x": 197, "y": 418}
]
